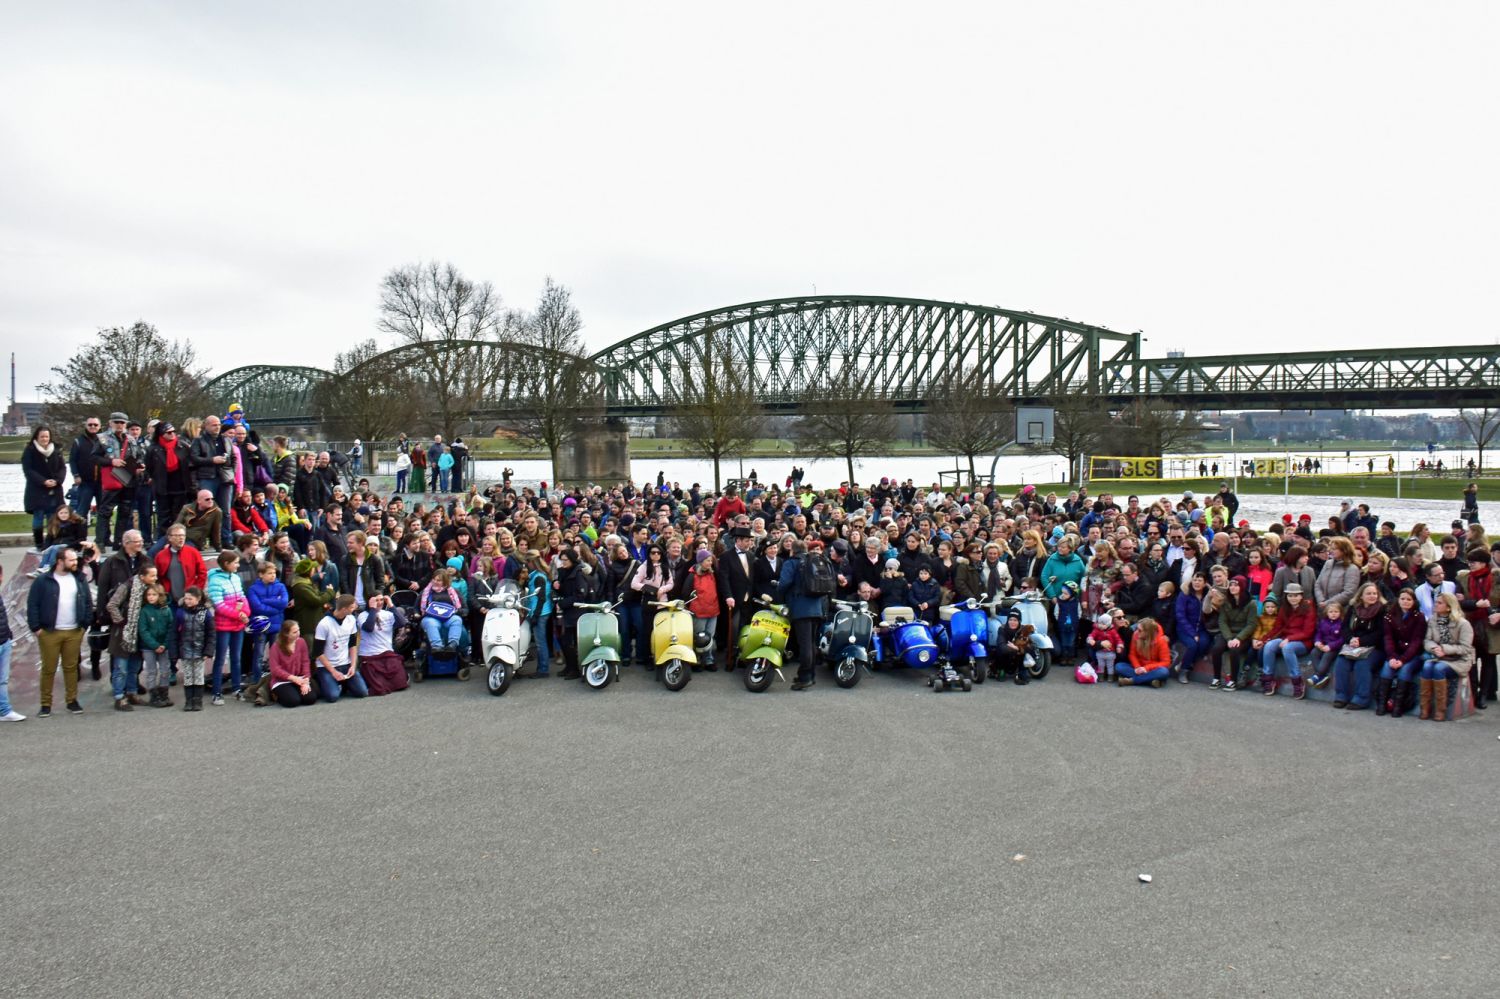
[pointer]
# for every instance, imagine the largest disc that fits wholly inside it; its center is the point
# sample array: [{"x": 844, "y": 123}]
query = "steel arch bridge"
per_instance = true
[{"x": 792, "y": 349}]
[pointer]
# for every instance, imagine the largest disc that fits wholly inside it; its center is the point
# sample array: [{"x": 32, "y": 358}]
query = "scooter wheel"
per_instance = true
[
  {"x": 675, "y": 674},
  {"x": 980, "y": 667},
  {"x": 757, "y": 676},
  {"x": 498, "y": 677},
  {"x": 846, "y": 673},
  {"x": 597, "y": 674},
  {"x": 463, "y": 674},
  {"x": 968, "y": 684}
]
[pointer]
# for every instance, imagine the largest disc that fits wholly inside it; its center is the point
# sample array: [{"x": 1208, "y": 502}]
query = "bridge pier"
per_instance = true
[{"x": 599, "y": 453}]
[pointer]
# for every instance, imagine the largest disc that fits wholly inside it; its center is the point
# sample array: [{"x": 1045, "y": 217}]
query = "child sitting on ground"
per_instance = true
[{"x": 1104, "y": 641}]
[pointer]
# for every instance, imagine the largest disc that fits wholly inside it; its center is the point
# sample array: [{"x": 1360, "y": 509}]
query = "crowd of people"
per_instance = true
[{"x": 246, "y": 570}]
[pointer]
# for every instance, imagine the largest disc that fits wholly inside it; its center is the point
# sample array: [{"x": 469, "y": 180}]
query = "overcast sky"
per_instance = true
[{"x": 1279, "y": 175}]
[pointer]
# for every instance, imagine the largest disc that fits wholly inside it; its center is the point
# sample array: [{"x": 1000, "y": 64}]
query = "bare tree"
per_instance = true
[
  {"x": 553, "y": 415},
  {"x": 849, "y": 419},
  {"x": 1079, "y": 420},
  {"x": 1153, "y": 427},
  {"x": 720, "y": 414},
  {"x": 1481, "y": 426},
  {"x": 131, "y": 369},
  {"x": 967, "y": 419},
  {"x": 434, "y": 307},
  {"x": 368, "y": 397}
]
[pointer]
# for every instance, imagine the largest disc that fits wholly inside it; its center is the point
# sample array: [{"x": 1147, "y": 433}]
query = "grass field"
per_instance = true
[
  {"x": 1376, "y": 486},
  {"x": 15, "y": 523}
]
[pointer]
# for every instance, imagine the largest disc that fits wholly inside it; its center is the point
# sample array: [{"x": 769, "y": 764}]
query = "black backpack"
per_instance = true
[{"x": 815, "y": 576}]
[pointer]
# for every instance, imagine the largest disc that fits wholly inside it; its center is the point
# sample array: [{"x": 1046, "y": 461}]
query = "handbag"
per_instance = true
[{"x": 1356, "y": 654}]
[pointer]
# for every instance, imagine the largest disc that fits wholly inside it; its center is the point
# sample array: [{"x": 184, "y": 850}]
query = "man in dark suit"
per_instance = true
[{"x": 735, "y": 573}]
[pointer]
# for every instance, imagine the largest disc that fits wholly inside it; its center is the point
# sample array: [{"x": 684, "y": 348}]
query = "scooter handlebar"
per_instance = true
[
  {"x": 603, "y": 607},
  {"x": 668, "y": 604}
]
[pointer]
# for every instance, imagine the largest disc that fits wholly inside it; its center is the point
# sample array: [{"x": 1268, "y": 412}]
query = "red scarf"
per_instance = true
[{"x": 169, "y": 443}]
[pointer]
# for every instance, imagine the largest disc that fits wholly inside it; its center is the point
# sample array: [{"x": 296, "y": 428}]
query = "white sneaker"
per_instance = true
[{"x": 12, "y": 716}]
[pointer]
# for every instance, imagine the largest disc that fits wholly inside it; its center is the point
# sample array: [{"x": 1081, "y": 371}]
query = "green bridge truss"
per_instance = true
[{"x": 909, "y": 349}]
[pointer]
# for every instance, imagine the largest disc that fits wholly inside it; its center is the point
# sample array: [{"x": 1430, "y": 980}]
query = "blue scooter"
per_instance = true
[
  {"x": 847, "y": 640},
  {"x": 906, "y": 640},
  {"x": 969, "y": 636}
]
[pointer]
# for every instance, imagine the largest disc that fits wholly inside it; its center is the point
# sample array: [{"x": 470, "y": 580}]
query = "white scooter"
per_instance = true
[
  {"x": 1033, "y": 608},
  {"x": 506, "y": 639}
]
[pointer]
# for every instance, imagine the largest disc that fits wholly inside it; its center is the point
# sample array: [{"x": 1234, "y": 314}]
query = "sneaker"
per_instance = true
[
  {"x": 1125, "y": 681},
  {"x": 1320, "y": 681},
  {"x": 1216, "y": 683},
  {"x": 1229, "y": 685},
  {"x": 218, "y": 700},
  {"x": 1184, "y": 676},
  {"x": 1340, "y": 705},
  {"x": 74, "y": 708},
  {"x": 1156, "y": 683},
  {"x": 45, "y": 712},
  {"x": 12, "y": 716},
  {"x": 123, "y": 705},
  {"x": 239, "y": 695},
  {"x": 1299, "y": 690}
]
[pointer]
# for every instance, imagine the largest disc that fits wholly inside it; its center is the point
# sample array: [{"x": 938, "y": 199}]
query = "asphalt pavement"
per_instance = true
[{"x": 884, "y": 840}]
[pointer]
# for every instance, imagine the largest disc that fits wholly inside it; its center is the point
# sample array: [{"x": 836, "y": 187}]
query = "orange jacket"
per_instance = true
[{"x": 1161, "y": 654}]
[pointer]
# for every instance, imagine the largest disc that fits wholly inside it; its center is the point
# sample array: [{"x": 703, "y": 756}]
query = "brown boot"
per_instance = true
[
  {"x": 1440, "y": 700},
  {"x": 1424, "y": 698}
]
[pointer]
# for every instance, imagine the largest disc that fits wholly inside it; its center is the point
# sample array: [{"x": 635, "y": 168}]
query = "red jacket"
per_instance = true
[
  {"x": 1161, "y": 654},
  {"x": 237, "y": 522},
  {"x": 194, "y": 572},
  {"x": 706, "y": 601},
  {"x": 1296, "y": 625},
  {"x": 726, "y": 508}
]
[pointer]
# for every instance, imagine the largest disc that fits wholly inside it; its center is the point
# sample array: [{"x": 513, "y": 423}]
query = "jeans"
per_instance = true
[
  {"x": 1194, "y": 649},
  {"x": 443, "y": 474},
  {"x": 401, "y": 478},
  {"x": 702, "y": 626},
  {"x": 632, "y": 634},
  {"x": 6, "y": 648},
  {"x": 230, "y": 643},
  {"x": 39, "y": 518},
  {"x": 1323, "y": 662},
  {"x": 1352, "y": 680},
  {"x": 83, "y": 498},
  {"x": 441, "y": 633},
  {"x": 541, "y": 639},
  {"x": 1404, "y": 673},
  {"x": 332, "y": 689},
  {"x": 1128, "y": 672},
  {"x": 122, "y": 671},
  {"x": 1290, "y": 652},
  {"x": 1436, "y": 669},
  {"x": 356, "y": 464},
  {"x": 258, "y": 655}
]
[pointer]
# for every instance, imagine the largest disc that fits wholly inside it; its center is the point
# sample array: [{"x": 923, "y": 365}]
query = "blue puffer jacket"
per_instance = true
[{"x": 799, "y": 608}]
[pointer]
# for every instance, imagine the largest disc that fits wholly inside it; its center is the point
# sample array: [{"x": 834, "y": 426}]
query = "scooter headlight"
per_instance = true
[
  {"x": 766, "y": 640},
  {"x": 923, "y": 656},
  {"x": 598, "y": 641},
  {"x": 852, "y": 641}
]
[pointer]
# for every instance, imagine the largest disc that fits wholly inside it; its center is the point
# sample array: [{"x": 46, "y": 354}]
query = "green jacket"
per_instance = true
[
  {"x": 1237, "y": 622},
  {"x": 155, "y": 626},
  {"x": 307, "y": 605}
]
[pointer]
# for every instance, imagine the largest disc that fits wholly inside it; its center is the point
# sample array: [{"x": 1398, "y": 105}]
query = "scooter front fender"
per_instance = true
[
  {"x": 858, "y": 653},
  {"x": 684, "y": 652},
  {"x": 602, "y": 652},
  {"x": 767, "y": 652}
]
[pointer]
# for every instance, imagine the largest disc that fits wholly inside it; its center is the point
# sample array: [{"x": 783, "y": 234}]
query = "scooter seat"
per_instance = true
[
  {"x": 946, "y": 613},
  {"x": 897, "y": 615}
]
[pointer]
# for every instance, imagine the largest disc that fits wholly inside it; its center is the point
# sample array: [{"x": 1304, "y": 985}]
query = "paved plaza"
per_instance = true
[{"x": 883, "y": 840}]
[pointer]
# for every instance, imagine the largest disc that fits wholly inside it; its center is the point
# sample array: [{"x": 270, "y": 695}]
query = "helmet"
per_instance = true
[
  {"x": 99, "y": 638},
  {"x": 259, "y": 625},
  {"x": 703, "y": 641}
]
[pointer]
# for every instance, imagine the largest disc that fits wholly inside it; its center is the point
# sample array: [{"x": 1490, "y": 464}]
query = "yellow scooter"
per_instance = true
[{"x": 672, "y": 643}]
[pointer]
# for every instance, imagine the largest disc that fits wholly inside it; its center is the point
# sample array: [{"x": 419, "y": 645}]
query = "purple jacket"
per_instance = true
[{"x": 1331, "y": 633}]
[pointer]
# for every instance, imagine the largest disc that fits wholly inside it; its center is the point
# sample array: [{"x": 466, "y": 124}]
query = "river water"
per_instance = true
[{"x": 1259, "y": 510}]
